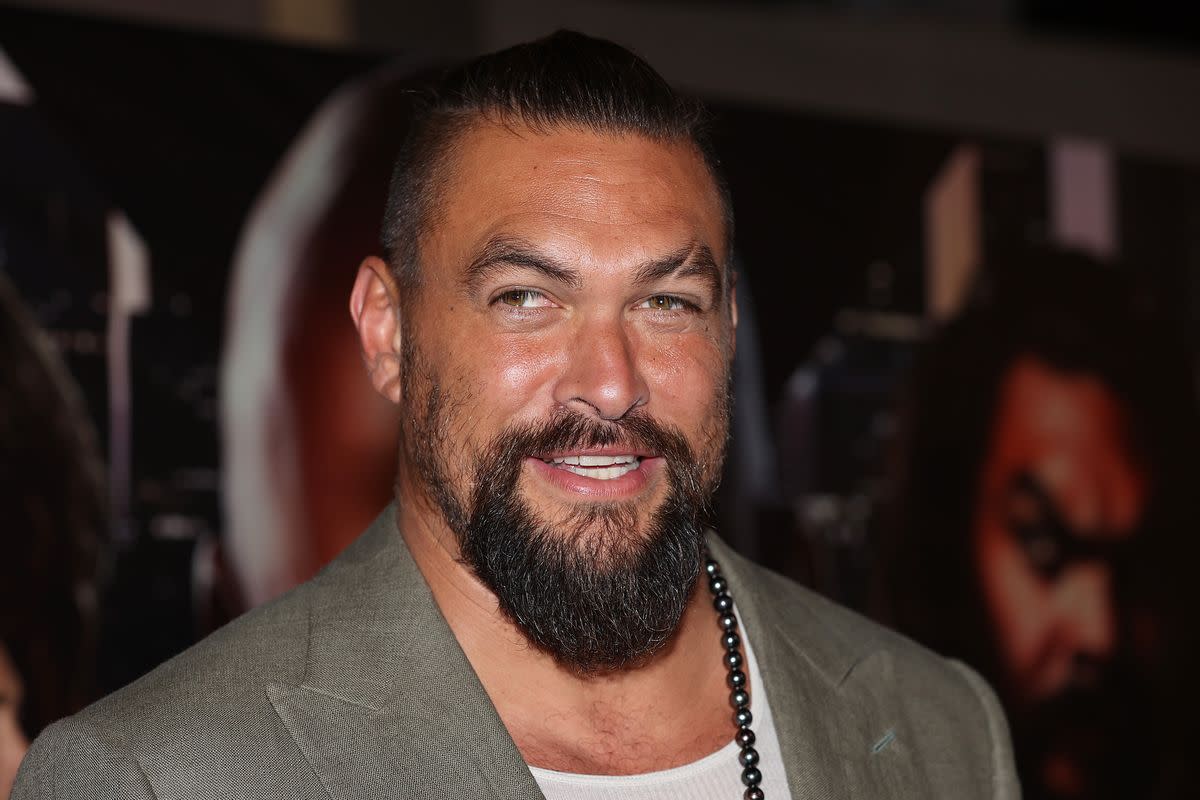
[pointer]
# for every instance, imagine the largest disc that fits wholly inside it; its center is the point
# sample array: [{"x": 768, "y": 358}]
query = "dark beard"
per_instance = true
[{"x": 595, "y": 591}]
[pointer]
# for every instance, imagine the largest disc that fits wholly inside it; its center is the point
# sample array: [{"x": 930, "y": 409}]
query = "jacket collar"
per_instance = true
[
  {"x": 841, "y": 727},
  {"x": 390, "y": 705}
]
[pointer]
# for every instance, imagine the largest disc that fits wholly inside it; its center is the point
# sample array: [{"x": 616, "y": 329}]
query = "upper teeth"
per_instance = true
[
  {"x": 602, "y": 468},
  {"x": 594, "y": 461}
]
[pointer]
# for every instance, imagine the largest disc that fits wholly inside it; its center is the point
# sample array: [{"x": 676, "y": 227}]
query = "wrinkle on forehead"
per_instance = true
[{"x": 597, "y": 200}]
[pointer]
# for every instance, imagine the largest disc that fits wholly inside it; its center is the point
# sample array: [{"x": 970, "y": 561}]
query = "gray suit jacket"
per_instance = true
[{"x": 353, "y": 686}]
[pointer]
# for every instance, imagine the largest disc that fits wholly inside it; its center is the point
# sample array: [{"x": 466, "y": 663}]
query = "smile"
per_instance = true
[
  {"x": 601, "y": 468},
  {"x": 602, "y": 476}
]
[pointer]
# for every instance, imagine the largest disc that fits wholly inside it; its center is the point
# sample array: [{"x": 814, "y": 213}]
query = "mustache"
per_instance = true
[{"x": 568, "y": 430}]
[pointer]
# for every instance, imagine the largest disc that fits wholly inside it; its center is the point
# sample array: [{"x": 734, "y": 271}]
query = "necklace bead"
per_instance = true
[{"x": 739, "y": 698}]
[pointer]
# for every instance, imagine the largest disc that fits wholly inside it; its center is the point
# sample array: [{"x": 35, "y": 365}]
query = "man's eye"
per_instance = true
[
  {"x": 522, "y": 298},
  {"x": 665, "y": 302}
]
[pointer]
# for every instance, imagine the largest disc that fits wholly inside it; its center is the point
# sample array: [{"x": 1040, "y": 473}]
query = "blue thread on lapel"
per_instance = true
[{"x": 886, "y": 739}]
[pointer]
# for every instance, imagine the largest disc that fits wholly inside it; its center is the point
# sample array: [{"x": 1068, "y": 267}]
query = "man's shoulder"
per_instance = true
[
  {"x": 202, "y": 706},
  {"x": 228, "y": 671},
  {"x": 191, "y": 715},
  {"x": 939, "y": 707},
  {"x": 861, "y": 639},
  {"x": 225, "y": 671},
  {"x": 842, "y": 639},
  {"x": 194, "y": 725},
  {"x": 838, "y": 637}
]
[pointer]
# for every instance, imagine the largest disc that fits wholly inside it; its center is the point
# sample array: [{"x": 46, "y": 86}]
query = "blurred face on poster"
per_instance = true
[
  {"x": 1043, "y": 517},
  {"x": 1061, "y": 498},
  {"x": 309, "y": 444}
]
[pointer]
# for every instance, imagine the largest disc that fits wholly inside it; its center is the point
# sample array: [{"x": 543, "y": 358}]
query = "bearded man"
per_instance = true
[{"x": 542, "y": 612}]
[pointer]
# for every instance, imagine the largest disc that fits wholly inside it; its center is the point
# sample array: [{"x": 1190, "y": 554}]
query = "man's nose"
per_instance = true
[
  {"x": 1087, "y": 611},
  {"x": 603, "y": 376}
]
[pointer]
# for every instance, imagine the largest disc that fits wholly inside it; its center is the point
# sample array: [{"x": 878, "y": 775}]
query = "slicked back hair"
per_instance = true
[{"x": 566, "y": 80}]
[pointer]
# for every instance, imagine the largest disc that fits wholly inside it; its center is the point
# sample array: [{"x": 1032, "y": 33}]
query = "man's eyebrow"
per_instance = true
[
  {"x": 506, "y": 251},
  {"x": 501, "y": 252},
  {"x": 693, "y": 259}
]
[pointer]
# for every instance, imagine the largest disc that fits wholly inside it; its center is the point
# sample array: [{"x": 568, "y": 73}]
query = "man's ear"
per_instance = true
[{"x": 375, "y": 307}]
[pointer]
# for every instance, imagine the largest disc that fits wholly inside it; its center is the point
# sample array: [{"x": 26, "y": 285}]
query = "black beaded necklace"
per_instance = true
[{"x": 739, "y": 698}]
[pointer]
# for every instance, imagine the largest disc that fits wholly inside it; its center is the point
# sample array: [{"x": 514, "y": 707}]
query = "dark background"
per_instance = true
[{"x": 178, "y": 118}]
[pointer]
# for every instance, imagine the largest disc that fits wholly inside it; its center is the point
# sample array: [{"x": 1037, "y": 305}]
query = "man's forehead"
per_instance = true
[{"x": 513, "y": 180}]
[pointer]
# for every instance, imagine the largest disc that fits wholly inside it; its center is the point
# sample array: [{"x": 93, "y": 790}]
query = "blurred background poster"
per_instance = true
[{"x": 969, "y": 254}]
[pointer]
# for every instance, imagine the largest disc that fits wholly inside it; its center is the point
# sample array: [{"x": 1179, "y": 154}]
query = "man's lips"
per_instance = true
[{"x": 603, "y": 473}]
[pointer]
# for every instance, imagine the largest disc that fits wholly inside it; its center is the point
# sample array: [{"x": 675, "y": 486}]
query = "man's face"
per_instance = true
[
  {"x": 1061, "y": 497},
  {"x": 566, "y": 356}
]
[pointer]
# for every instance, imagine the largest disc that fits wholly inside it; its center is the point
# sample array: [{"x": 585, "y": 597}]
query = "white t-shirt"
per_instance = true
[{"x": 717, "y": 776}]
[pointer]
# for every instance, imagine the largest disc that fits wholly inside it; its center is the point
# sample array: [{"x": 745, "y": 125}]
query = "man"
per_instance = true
[
  {"x": 555, "y": 319},
  {"x": 1046, "y": 488}
]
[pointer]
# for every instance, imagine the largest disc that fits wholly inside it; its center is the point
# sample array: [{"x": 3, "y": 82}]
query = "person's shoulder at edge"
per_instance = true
[
  {"x": 196, "y": 705},
  {"x": 213, "y": 687},
  {"x": 951, "y": 704}
]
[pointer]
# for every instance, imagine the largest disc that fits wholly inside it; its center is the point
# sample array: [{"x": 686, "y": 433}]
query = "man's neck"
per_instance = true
[{"x": 669, "y": 711}]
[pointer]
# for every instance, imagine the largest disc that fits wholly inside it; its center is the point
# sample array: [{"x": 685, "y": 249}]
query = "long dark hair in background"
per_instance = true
[{"x": 55, "y": 513}]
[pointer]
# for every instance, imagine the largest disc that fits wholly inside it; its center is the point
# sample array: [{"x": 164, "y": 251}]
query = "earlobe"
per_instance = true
[{"x": 375, "y": 308}]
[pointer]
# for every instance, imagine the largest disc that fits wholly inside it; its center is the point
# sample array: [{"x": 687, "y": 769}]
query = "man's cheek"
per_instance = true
[{"x": 516, "y": 374}]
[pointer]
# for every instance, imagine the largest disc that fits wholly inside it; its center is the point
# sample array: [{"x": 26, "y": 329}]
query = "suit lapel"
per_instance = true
[
  {"x": 390, "y": 706},
  {"x": 840, "y": 726}
]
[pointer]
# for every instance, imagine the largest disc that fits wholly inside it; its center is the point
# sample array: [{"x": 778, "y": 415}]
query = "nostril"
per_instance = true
[{"x": 609, "y": 412}]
